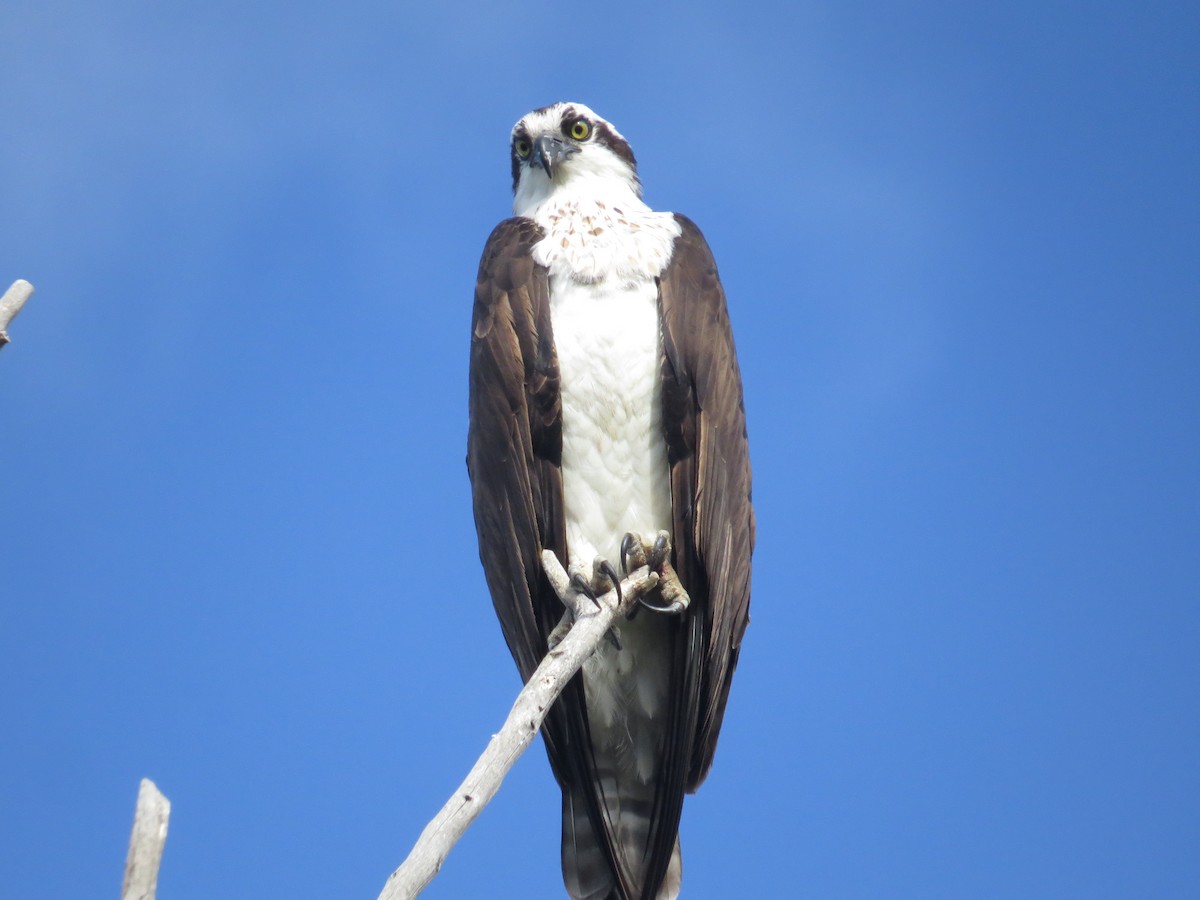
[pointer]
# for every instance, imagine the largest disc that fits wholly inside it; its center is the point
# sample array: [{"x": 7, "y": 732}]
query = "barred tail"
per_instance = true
[{"x": 587, "y": 872}]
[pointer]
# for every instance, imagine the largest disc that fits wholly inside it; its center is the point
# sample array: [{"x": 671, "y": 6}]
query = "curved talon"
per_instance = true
[
  {"x": 611, "y": 634},
  {"x": 633, "y": 552},
  {"x": 579, "y": 583},
  {"x": 606, "y": 567},
  {"x": 674, "y": 608}
]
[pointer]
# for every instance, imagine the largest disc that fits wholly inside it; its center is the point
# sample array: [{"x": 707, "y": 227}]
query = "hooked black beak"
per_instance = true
[{"x": 549, "y": 152}]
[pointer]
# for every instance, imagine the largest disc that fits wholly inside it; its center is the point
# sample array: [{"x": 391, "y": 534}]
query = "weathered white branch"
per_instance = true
[
  {"x": 10, "y": 304},
  {"x": 146, "y": 843},
  {"x": 523, "y": 722}
]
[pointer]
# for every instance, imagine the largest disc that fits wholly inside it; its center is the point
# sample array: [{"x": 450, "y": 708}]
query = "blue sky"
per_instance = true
[{"x": 236, "y": 549}]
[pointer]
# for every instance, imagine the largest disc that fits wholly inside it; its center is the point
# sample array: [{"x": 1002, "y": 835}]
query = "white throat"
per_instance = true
[{"x": 597, "y": 227}]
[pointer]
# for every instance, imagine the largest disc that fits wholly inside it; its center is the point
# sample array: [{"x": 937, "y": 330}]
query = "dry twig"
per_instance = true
[
  {"x": 146, "y": 843},
  {"x": 10, "y": 304}
]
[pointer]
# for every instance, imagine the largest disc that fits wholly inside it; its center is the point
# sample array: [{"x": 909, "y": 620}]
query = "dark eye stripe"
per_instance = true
[
  {"x": 521, "y": 137},
  {"x": 602, "y": 134}
]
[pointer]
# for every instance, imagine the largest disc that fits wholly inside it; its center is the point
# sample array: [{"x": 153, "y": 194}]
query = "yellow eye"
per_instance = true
[
  {"x": 522, "y": 147},
  {"x": 580, "y": 129}
]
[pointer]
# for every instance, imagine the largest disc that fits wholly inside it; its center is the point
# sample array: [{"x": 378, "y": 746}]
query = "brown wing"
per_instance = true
[
  {"x": 514, "y": 444},
  {"x": 514, "y": 457},
  {"x": 705, "y": 424}
]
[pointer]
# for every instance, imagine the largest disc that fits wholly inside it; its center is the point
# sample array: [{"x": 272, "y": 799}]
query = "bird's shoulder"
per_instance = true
[
  {"x": 690, "y": 243},
  {"x": 507, "y": 254}
]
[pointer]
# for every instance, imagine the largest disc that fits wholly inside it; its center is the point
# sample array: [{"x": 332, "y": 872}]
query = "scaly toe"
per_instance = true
[
  {"x": 659, "y": 552},
  {"x": 632, "y": 551}
]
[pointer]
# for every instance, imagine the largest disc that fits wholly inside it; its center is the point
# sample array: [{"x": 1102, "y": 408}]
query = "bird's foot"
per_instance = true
[
  {"x": 603, "y": 578},
  {"x": 603, "y": 571},
  {"x": 581, "y": 585},
  {"x": 637, "y": 552},
  {"x": 633, "y": 552}
]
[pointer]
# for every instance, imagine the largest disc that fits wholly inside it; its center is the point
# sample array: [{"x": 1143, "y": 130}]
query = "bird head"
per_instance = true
[{"x": 567, "y": 146}]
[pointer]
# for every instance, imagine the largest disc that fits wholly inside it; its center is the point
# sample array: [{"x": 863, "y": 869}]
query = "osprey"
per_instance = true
[{"x": 606, "y": 420}]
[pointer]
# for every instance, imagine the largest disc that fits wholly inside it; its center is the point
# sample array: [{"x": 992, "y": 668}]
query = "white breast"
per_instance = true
[{"x": 614, "y": 465}]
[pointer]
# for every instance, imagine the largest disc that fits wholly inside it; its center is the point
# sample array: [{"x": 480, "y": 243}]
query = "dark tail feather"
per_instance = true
[{"x": 587, "y": 872}]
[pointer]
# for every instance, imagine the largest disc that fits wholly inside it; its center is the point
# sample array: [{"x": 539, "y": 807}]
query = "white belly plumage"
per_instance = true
[
  {"x": 615, "y": 480},
  {"x": 614, "y": 455}
]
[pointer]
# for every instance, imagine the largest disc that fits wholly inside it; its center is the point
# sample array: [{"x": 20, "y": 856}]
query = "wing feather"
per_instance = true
[
  {"x": 705, "y": 424},
  {"x": 515, "y": 439}
]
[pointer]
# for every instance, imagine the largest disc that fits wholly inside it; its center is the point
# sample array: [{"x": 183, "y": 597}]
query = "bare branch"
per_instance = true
[
  {"x": 506, "y": 746},
  {"x": 10, "y": 304},
  {"x": 146, "y": 843}
]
